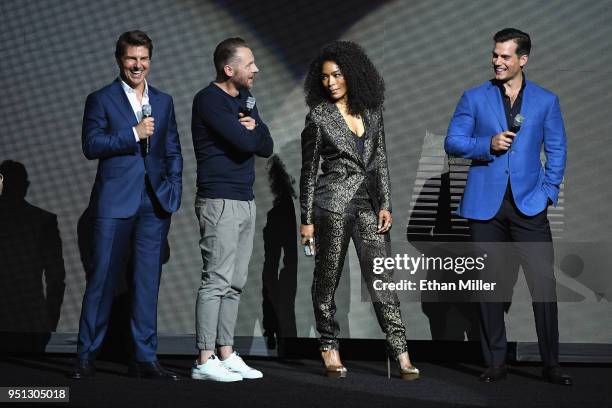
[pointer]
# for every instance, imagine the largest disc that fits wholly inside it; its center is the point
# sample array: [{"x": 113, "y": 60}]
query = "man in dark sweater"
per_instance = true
[{"x": 227, "y": 134}]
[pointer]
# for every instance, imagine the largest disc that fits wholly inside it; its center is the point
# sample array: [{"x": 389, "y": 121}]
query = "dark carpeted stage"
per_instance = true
[{"x": 300, "y": 383}]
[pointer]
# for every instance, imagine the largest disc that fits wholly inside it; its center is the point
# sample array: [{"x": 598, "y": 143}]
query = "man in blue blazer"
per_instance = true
[
  {"x": 130, "y": 128},
  {"x": 501, "y": 126}
]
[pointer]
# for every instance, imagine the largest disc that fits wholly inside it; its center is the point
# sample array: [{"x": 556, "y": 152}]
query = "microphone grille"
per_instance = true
[
  {"x": 250, "y": 102},
  {"x": 146, "y": 110},
  {"x": 518, "y": 120}
]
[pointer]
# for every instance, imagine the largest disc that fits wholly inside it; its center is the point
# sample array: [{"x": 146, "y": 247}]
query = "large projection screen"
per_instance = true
[{"x": 55, "y": 52}]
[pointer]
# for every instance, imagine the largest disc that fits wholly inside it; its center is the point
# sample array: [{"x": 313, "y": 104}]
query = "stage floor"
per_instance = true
[{"x": 300, "y": 383}]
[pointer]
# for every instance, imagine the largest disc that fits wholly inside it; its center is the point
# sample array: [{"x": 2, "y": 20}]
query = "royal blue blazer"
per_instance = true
[
  {"x": 478, "y": 117},
  {"x": 108, "y": 137}
]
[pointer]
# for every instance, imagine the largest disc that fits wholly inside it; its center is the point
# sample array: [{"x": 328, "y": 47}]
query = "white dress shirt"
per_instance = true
[{"x": 136, "y": 106}]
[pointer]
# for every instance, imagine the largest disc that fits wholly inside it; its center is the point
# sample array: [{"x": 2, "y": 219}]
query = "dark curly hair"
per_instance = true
[{"x": 366, "y": 88}]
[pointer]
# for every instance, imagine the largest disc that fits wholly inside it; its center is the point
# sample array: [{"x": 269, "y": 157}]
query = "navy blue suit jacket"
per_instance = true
[
  {"x": 478, "y": 117},
  {"x": 109, "y": 138}
]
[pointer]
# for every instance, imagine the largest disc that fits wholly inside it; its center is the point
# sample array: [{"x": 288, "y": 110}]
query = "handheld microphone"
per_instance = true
[
  {"x": 517, "y": 123},
  {"x": 309, "y": 247},
  {"x": 250, "y": 104},
  {"x": 146, "y": 112}
]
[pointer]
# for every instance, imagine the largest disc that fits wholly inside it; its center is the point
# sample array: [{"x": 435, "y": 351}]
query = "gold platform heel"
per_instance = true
[
  {"x": 333, "y": 365},
  {"x": 410, "y": 373}
]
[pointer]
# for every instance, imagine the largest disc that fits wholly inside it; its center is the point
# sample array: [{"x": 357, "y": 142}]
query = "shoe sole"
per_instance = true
[
  {"x": 81, "y": 377},
  {"x": 252, "y": 378},
  {"x": 246, "y": 375},
  {"x": 550, "y": 380},
  {"x": 491, "y": 380},
  {"x": 336, "y": 373},
  {"x": 195, "y": 376}
]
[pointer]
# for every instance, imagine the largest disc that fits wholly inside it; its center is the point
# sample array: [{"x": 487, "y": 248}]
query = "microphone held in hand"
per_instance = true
[
  {"x": 517, "y": 123},
  {"x": 146, "y": 112},
  {"x": 250, "y": 104},
  {"x": 309, "y": 247}
]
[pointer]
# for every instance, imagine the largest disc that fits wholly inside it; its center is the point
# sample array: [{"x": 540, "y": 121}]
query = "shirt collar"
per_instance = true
[
  {"x": 502, "y": 89},
  {"x": 128, "y": 89}
]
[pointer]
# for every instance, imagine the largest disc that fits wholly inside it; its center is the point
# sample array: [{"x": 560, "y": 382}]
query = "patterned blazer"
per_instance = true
[{"x": 327, "y": 140}]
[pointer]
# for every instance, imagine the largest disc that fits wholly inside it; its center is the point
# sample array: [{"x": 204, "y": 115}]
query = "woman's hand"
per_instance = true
[
  {"x": 384, "y": 221},
  {"x": 307, "y": 233}
]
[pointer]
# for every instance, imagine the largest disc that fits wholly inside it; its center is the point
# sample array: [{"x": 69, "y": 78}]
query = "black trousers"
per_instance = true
[
  {"x": 333, "y": 233},
  {"x": 533, "y": 246}
]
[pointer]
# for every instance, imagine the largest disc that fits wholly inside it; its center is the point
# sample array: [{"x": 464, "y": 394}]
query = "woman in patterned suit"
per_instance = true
[{"x": 351, "y": 198}]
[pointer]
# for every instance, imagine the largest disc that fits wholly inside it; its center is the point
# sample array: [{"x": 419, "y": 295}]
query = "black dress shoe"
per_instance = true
[
  {"x": 271, "y": 341},
  {"x": 555, "y": 375},
  {"x": 493, "y": 374},
  {"x": 84, "y": 369},
  {"x": 151, "y": 370}
]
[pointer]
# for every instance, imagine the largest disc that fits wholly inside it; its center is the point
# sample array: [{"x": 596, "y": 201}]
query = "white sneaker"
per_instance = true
[
  {"x": 213, "y": 370},
  {"x": 236, "y": 364}
]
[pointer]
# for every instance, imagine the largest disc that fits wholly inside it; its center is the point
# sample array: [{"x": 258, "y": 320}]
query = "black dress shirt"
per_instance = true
[{"x": 511, "y": 110}]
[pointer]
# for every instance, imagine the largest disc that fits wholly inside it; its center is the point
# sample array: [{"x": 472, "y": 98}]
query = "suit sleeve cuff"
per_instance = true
[
  {"x": 484, "y": 148},
  {"x": 552, "y": 193},
  {"x": 307, "y": 219}
]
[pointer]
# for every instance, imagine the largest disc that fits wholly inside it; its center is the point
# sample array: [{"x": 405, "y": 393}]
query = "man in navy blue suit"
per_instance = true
[
  {"x": 501, "y": 126},
  {"x": 137, "y": 187}
]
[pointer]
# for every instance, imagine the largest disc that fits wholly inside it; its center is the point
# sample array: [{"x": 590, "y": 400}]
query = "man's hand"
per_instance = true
[
  {"x": 247, "y": 121},
  {"x": 145, "y": 128},
  {"x": 501, "y": 142},
  {"x": 384, "y": 221}
]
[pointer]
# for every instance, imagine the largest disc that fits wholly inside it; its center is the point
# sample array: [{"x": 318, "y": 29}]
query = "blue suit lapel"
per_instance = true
[
  {"x": 527, "y": 104},
  {"x": 494, "y": 99},
  {"x": 120, "y": 99},
  {"x": 156, "y": 110},
  {"x": 154, "y": 102}
]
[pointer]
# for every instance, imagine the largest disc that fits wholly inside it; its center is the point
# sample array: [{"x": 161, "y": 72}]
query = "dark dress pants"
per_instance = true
[
  {"x": 533, "y": 245},
  {"x": 146, "y": 232}
]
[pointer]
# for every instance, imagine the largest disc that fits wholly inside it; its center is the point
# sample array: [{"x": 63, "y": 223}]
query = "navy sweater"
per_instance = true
[{"x": 225, "y": 150}]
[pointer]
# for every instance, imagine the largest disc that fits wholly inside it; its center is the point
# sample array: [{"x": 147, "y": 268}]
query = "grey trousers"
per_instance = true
[{"x": 226, "y": 242}]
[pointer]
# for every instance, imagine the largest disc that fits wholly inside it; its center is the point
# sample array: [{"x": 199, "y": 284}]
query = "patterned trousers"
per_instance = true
[{"x": 333, "y": 232}]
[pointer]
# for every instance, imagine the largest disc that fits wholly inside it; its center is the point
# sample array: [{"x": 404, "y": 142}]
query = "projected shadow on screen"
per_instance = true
[
  {"x": 431, "y": 220},
  {"x": 279, "y": 287},
  {"x": 287, "y": 27},
  {"x": 118, "y": 344},
  {"x": 32, "y": 268}
]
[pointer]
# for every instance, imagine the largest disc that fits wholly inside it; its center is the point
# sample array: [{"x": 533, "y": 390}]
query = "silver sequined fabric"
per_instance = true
[
  {"x": 328, "y": 142},
  {"x": 333, "y": 232},
  {"x": 343, "y": 202}
]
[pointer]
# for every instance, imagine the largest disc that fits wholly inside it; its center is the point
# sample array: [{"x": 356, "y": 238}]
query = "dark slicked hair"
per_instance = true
[
  {"x": 225, "y": 52},
  {"x": 521, "y": 38},
  {"x": 365, "y": 86},
  {"x": 132, "y": 38}
]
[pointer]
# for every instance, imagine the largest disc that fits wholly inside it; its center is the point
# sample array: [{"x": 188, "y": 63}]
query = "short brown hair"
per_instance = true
[
  {"x": 224, "y": 52},
  {"x": 133, "y": 38}
]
